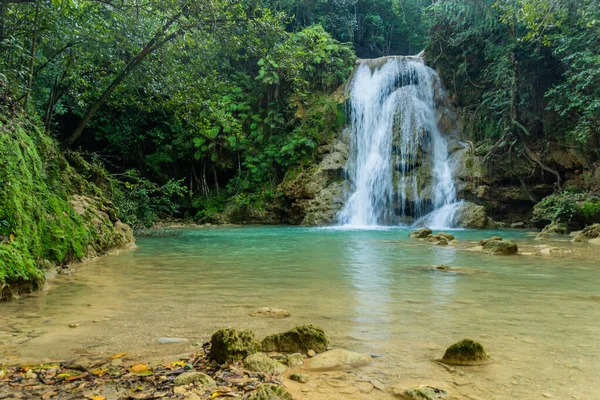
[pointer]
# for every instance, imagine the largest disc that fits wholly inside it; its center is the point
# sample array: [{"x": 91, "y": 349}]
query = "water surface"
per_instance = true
[{"x": 371, "y": 290}]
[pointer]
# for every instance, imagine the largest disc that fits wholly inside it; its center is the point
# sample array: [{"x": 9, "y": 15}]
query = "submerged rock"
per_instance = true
[
  {"x": 421, "y": 393},
  {"x": 260, "y": 362},
  {"x": 499, "y": 247},
  {"x": 465, "y": 352},
  {"x": 270, "y": 313},
  {"x": 194, "y": 377},
  {"x": 492, "y": 239},
  {"x": 338, "y": 359},
  {"x": 298, "y": 377},
  {"x": 300, "y": 339},
  {"x": 421, "y": 233},
  {"x": 269, "y": 392},
  {"x": 166, "y": 340},
  {"x": 232, "y": 345}
]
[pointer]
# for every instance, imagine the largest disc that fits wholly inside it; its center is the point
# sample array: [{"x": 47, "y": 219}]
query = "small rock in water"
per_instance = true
[
  {"x": 338, "y": 359},
  {"x": 270, "y": 313},
  {"x": 164, "y": 340},
  {"x": 232, "y": 345},
  {"x": 297, "y": 340},
  {"x": 311, "y": 353},
  {"x": 298, "y": 377},
  {"x": 421, "y": 393},
  {"x": 269, "y": 392},
  {"x": 465, "y": 352},
  {"x": 498, "y": 247},
  {"x": 75, "y": 325},
  {"x": 421, "y": 233},
  {"x": 492, "y": 239}
]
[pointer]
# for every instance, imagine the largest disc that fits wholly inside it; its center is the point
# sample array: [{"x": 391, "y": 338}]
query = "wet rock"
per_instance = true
[
  {"x": 465, "y": 352},
  {"x": 164, "y": 340},
  {"x": 260, "y": 362},
  {"x": 232, "y": 345},
  {"x": 338, "y": 359},
  {"x": 194, "y": 377},
  {"x": 471, "y": 216},
  {"x": 421, "y": 233},
  {"x": 298, "y": 377},
  {"x": 421, "y": 393},
  {"x": 492, "y": 239},
  {"x": 311, "y": 353},
  {"x": 547, "y": 251},
  {"x": 499, "y": 247},
  {"x": 300, "y": 339},
  {"x": 590, "y": 232},
  {"x": 75, "y": 325},
  {"x": 555, "y": 227},
  {"x": 270, "y": 313},
  {"x": 295, "y": 360},
  {"x": 269, "y": 392}
]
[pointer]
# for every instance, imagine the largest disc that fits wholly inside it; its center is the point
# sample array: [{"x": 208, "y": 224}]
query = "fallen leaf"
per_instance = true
[
  {"x": 11, "y": 237},
  {"x": 118, "y": 356},
  {"x": 139, "y": 368},
  {"x": 143, "y": 373},
  {"x": 99, "y": 371},
  {"x": 97, "y": 398}
]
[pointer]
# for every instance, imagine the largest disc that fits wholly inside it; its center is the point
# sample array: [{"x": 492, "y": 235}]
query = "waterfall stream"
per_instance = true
[{"x": 398, "y": 165}]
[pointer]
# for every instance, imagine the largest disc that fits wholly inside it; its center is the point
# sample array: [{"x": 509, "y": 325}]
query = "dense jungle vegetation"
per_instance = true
[{"x": 195, "y": 106}]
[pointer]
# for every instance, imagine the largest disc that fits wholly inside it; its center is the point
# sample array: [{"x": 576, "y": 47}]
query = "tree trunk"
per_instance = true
[
  {"x": 32, "y": 55},
  {"x": 157, "y": 41}
]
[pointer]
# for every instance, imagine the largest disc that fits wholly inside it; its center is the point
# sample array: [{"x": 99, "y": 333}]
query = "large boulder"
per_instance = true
[
  {"x": 338, "y": 359},
  {"x": 297, "y": 340},
  {"x": 465, "y": 352},
  {"x": 260, "y": 362},
  {"x": 500, "y": 247},
  {"x": 232, "y": 345},
  {"x": 471, "y": 216},
  {"x": 269, "y": 392}
]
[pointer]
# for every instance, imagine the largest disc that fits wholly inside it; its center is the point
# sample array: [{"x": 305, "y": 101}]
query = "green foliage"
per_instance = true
[
  {"x": 140, "y": 202},
  {"x": 37, "y": 222},
  {"x": 574, "y": 209}
]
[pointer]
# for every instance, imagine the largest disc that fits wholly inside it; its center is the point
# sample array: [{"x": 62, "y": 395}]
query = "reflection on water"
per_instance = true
[{"x": 372, "y": 291}]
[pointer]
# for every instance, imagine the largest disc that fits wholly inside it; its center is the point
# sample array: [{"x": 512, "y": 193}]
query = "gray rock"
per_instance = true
[
  {"x": 270, "y": 313},
  {"x": 338, "y": 359},
  {"x": 295, "y": 360},
  {"x": 194, "y": 377},
  {"x": 260, "y": 362},
  {"x": 164, "y": 340},
  {"x": 471, "y": 216},
  {"x": 231, "y": 344}
]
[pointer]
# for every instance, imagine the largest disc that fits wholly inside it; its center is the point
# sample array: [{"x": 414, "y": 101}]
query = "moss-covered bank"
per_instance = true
[{"x": 50, "y": 214}]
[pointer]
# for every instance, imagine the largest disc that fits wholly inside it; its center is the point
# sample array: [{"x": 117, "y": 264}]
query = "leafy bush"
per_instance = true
[{"x": 576, "y": 210}]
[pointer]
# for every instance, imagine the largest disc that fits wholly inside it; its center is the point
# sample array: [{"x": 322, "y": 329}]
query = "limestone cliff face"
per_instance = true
[{"x": 316, "y": 194}]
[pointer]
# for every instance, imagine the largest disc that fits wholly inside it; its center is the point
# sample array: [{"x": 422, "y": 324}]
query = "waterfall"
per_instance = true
[{"x": 398, "y": 165}]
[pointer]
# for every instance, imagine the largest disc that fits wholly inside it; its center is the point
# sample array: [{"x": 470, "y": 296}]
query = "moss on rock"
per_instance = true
[
  {"x": 465, "y": 352},
  {"x": 269, "y": 392},
  {"x": 297, "y": 340},
  {"x": 499, "y": 247},
  {"x": 232, "y": 345}
]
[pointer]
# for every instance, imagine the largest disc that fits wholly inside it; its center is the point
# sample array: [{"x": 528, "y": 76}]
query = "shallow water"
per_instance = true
[{"x": 372, "y": 291}]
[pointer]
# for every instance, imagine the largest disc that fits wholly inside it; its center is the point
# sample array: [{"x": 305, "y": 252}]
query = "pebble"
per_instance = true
[
  {"x": 298, "y": 377},
  {"x": 75, "y": 325},
  {"x": 311, "y": 353}
]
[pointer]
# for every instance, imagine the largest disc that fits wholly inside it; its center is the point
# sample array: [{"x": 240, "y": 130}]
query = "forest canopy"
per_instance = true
[{"x": 221, "y": 99}]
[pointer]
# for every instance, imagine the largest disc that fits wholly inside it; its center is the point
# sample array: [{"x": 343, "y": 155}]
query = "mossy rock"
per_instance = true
[
  {"x": 232, "y": 345},
  {"x": 260, "y": 362},
  {"x": 465, "y": 352},
  {"x": 499, "y": 247},
  {"x": 269, "y": 392},
  {"x": 424, "y": 393},
  {"x": 492, "y": 239},
  {"x": 298, "y": 340},
  {"x": 421, "y": 233},
  {"x": 194, "y": 377}
]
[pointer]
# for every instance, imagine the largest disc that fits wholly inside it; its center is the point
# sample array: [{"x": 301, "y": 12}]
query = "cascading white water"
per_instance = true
[{"x": 398, "y": 165}]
